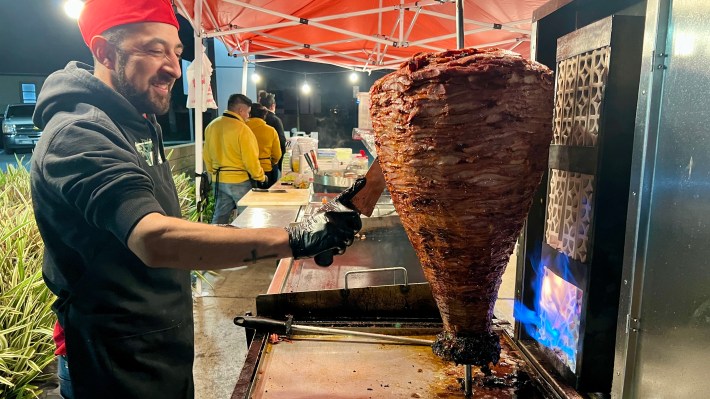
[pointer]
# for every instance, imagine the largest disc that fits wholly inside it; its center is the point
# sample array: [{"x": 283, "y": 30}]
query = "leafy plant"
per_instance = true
[
  {"x": 185, "y": 185},
  {"x": 26, "y": 318}
]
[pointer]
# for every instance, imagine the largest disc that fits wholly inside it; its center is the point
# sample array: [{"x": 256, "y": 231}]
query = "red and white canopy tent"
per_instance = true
[{"x": 356, "y": 34}]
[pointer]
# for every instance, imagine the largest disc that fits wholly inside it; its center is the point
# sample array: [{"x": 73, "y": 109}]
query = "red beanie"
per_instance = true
[{"x": 100, "y": 15}]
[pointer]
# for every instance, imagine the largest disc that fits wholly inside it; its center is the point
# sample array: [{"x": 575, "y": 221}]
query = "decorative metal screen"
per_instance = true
[
  {"x": 580, "y": 88},
  {"x": 569, "y": 209},
  {"x": 581, "y": 80}
]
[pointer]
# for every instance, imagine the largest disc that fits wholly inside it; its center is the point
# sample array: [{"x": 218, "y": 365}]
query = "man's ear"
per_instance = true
[{"x": 104, "y": 52}]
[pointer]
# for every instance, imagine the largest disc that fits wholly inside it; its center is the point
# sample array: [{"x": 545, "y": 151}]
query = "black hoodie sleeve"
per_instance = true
[
  {"x": 275, "y": 122},
  {"x": 96, "y": 171}
]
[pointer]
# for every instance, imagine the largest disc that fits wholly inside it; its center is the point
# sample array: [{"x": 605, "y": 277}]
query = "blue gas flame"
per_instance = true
[{"x": 554, "y": 321}]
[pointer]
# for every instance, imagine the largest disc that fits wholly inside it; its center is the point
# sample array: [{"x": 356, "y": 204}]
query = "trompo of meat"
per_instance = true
[{"x": 463, "y": 137}]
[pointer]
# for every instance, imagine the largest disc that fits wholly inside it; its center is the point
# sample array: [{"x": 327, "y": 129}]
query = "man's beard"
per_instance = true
[{"x": 143, "y": 101}]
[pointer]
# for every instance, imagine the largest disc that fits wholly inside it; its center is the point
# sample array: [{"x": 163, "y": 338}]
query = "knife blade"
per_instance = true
[
  {"x": 365, "y": 200},
  {"x": 266, "y": 190}
]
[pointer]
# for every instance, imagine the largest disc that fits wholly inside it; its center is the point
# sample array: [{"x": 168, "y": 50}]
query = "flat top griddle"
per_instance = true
[{"x": 342, "y": 367}]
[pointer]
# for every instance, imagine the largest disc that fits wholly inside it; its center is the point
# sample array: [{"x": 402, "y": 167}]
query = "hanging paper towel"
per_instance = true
[{"x": 207, "y": 98}]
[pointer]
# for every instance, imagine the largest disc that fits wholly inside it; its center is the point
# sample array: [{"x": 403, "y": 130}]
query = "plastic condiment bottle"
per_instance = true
[
  {"x": 360, "y": 162},
  {"x": 296, "y": 158}
]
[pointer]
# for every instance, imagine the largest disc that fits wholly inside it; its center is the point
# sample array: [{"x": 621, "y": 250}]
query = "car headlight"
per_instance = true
[{"x": 9, "y": 129}]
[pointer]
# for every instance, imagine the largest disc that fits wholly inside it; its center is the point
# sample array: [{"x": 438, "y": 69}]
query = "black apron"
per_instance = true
[{"x": 143, "y": 348}]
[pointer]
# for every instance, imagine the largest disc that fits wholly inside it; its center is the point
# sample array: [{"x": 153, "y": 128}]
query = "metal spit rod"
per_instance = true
[
  {"x": 285, "y": 328},
  {"x": 468, "y": 381},
  {"x": 395, "y": 338}
]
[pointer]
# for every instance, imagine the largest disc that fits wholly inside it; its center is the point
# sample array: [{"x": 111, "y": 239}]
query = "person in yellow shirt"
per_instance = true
[
  {"x": 268, "y": 139},
  {"x": 231, "y": 156}
]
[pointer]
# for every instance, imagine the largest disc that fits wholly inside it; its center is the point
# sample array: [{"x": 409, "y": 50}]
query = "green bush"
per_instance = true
[
  {"x": 186, "y": 193},
  {"x": 26, "y": 318}
]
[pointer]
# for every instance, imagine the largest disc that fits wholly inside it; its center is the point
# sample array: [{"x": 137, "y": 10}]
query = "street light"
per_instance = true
[
  {"x": 73, "y": 8},
  {"x": 306, "y": 88},
  {"x": 354, "y": 77},
  {"x": 255, "y": 77}
]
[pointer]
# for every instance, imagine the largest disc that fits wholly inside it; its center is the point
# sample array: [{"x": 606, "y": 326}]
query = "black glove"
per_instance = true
[
  {"x": 323, "y": 232},
  {"x": 264, "y": 183},
  {"x": 341, "y": 209}
]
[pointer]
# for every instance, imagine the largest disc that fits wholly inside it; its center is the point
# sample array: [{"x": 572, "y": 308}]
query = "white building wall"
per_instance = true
[
  {"x": 228, "y": 75},
  {"x": 10, "y": 89}
]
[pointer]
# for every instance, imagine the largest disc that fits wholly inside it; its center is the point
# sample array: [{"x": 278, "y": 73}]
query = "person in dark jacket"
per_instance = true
[
  {"x": 117, "y": 254},
  {"x": 268, "y": 100},
  {"x": 268, "y": 140}
]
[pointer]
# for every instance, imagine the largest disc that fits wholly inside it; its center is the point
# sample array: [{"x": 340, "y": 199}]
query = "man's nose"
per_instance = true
[{"x": 173, "y": 66}]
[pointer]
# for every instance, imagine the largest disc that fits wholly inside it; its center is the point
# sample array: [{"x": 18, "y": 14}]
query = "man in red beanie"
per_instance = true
[{"x": 117, "y": 253}]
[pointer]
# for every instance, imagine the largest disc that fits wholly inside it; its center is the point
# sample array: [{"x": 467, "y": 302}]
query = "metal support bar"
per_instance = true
[
  {"x": 468, "y": 380},
  {"x": 199, "y": 50},
  {"x": 287, "y": 327},
  {"x": 516, "y": 45},
  {"x": 245, "y": 71},
  {"x": 491, "y": 44},
  {"x": 184, "y": 13},
  {"x": 298, "y": 47},
  {"x": 379, "y": 34},
  {"x": 251, "y": 29},
  {"x": 400, "y": 43},
  {"x": 460, "y": 36},
  {"x": 411, "y": 24},
  {"x": 313, "y": 58},
  {"x": 506, "y": 26},
  {"x": 448, "y": 36},
  {"x": 311, "y": 22},
  {"x": 210, "y": 16},
  {"x": 336, "y": 331},
  {"x": 312, "y": 47}
]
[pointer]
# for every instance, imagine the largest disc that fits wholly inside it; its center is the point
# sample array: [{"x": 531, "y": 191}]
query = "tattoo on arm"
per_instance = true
[{"x": 255, "y": 257}]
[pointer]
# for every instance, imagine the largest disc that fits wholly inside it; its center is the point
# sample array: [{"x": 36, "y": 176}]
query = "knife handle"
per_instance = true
[{"x": 324, "y": 259}]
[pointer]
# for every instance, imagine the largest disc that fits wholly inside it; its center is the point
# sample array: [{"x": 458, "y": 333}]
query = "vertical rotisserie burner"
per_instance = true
[
  {"x": 560, "y": 307},
  {"x": 574, "y": 246}
]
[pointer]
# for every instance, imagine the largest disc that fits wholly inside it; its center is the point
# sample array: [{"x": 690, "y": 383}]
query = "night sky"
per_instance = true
[{"x": 37, "y": 38}]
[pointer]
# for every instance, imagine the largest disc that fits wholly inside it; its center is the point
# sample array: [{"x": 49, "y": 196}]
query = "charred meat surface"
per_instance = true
[{"x": 463, "y": 137}]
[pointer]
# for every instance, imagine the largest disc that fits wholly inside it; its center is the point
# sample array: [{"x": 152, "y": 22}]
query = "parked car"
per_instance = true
[{"x": 18, "y": 131}]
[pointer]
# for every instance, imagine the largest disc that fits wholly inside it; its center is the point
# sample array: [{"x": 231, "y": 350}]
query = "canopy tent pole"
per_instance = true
[
  {"x": 199, "y": 50},
  {"x": 245, "y": 70},
  {"x": 401, "y": 24},
  {"x": 379, "y": 34}
]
